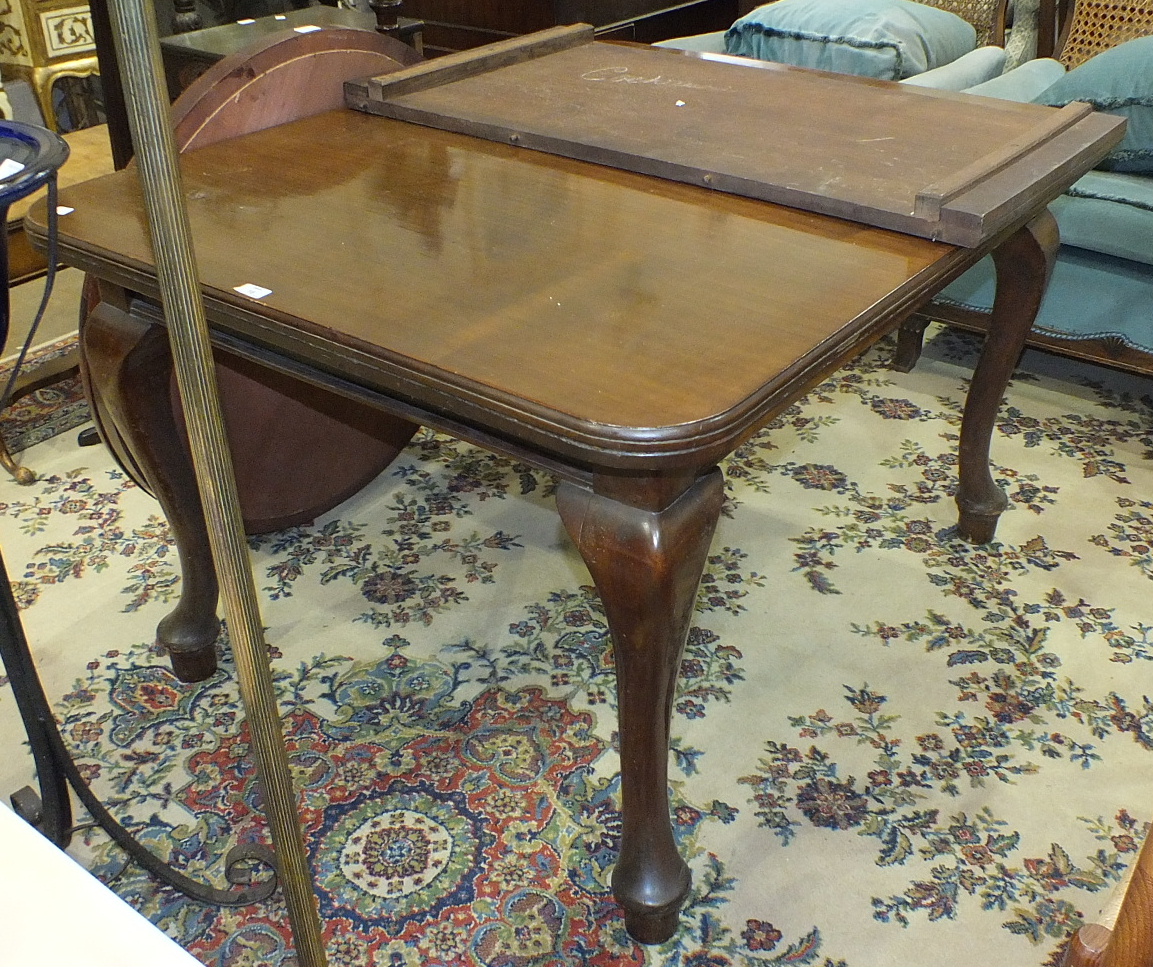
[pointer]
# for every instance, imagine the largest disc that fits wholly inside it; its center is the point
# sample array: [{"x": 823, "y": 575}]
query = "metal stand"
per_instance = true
[{"x": 51, "y": 810}]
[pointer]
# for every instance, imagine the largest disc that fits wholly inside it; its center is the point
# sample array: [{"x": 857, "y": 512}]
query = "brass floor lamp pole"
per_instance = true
[{"x": 138, "y": 46}]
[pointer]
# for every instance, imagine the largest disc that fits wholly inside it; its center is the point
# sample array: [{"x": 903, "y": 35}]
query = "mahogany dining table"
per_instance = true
[{"x": 622, "y": 331}]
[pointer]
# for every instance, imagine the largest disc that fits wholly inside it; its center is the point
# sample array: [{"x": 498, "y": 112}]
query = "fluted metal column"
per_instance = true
[{"x": 138, "y": 46}]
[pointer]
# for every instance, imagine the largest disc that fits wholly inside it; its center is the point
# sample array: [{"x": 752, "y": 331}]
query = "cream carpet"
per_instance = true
[{"x": 891, "y": 749}]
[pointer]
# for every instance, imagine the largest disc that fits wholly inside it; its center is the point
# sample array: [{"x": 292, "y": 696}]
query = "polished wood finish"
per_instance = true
[
  {"x": 128, "y": 372},
  {"x": 542, "y": 307},
  {"x": 927, "y": 162},
  {"x": 646, "y": 562},
  {"x": 280, "y": 76},
  {"x": 1125, "y": 937},
  {"x": 399, "y": 208},
  {"x": 1107, "y": 351},
  {"x": 1023, "y": 266}
]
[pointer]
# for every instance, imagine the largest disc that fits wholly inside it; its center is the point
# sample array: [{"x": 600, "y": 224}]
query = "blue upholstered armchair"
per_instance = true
[{"x": 1099, "y": 305}]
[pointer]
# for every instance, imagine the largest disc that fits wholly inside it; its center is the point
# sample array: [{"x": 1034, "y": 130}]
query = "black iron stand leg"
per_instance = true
[
  {"x": 20, "y": 474},
  {"x": 53, "y": 813},
  {"x": 57, "y": 772}
]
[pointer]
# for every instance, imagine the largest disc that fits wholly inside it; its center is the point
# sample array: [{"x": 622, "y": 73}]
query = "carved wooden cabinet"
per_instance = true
[{"x": 43, "y": 41}]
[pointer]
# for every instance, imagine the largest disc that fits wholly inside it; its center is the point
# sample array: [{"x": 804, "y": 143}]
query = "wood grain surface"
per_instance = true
[
  {"x": 912, "y": 159},
  {"x": 642, "y": 316}
]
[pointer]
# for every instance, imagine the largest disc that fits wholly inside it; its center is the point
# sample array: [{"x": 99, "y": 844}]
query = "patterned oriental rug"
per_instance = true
[{"x": 891, "y": 748}]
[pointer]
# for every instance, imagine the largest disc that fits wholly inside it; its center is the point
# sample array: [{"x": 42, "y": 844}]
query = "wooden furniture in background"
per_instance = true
[
  {"x": 44, "y": 41},
  {"x": 187, "y": 56},
  {"x": 298, "y": 450},
  {"x": 1087, "y": 27},
  {"x": 461, "y": 24},
  {"x": 987, "y": 17}
]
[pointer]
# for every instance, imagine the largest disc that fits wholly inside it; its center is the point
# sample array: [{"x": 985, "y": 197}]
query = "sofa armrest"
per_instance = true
[
  {"x": 968, "y": 69},
  {"x": 713, "y": 43},
  {"x": 1021, "y": 83}
]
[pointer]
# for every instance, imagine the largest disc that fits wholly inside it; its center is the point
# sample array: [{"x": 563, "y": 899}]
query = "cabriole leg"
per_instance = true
[
  {"x": 1023, "y": 264},
  {"x": 130, "y": 368},
  {"x": 646, "y": 551}
]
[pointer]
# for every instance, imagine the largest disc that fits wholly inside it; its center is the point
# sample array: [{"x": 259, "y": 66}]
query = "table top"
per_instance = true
[{"x": 589, "y": 312}]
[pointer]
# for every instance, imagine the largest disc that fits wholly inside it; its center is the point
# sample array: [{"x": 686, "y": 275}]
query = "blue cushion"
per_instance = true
[
  {"x": 1119, "y": 81},
  {"x": 1109, "y": 212},
  {"x": 888, "y": 39}
]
